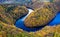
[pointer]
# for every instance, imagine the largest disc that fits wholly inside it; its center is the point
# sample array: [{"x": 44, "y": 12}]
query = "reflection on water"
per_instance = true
[
  {"x": 30, "y": 10},
  {"x": 20, "y": 22}
]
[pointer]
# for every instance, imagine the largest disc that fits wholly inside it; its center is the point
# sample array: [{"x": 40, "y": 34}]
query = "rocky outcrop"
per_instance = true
[
  {"x": 10, "y": 13},
  {"x": 41, "y": 16}
]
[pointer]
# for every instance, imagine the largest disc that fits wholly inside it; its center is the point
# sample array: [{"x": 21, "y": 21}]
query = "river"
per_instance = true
[{"x": 20, "y": 22}]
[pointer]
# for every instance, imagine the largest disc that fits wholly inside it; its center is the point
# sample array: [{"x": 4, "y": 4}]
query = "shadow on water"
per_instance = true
[{"x": 20, "y": 22}]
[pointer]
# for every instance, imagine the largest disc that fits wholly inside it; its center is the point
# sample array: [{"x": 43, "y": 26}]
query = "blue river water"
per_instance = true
[
  {"x": 56, "y": 20},
  {"x": 20, "y": 22}
]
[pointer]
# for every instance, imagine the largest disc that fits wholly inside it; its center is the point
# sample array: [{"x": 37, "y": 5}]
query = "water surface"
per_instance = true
[{"x": 20, "y": 22}]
